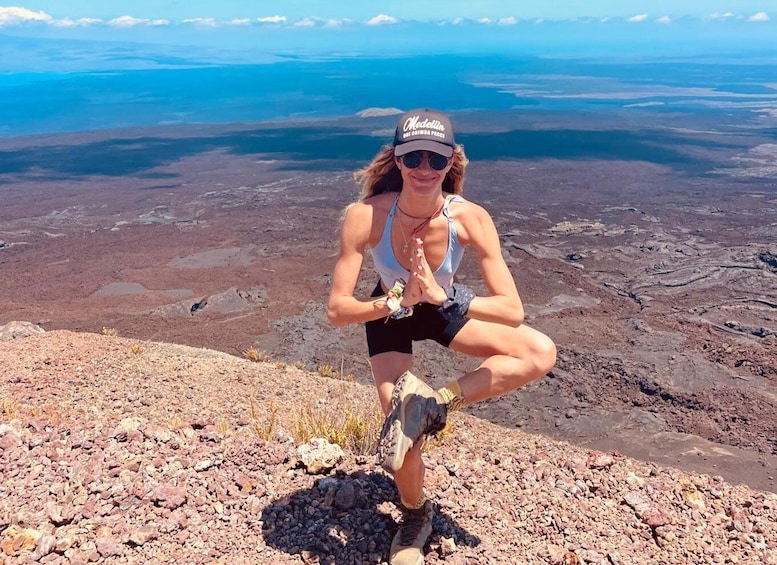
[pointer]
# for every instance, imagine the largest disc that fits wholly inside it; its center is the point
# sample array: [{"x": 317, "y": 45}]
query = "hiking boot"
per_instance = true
[
  {"x": 416, "y": 411},
  {"x": 407, "y": 548}
]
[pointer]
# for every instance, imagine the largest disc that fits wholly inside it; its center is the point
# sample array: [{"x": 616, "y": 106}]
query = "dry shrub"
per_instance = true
[
  {"x": 263, "y": 425},
  {"x": 8, "y": 408},
  {"x": 353, "y": 431},
  {"x": 256, "y": 356},
  {"x": 329, "y": 372}
]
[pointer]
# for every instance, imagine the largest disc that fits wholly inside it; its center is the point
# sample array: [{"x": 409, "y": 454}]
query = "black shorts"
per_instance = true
[{"x": 398, "y": 335}]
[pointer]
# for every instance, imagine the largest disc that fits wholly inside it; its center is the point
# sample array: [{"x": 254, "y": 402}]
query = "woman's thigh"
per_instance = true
[
  {"x": 386, "y": 369},
  {"x": 484, "y": 339}
]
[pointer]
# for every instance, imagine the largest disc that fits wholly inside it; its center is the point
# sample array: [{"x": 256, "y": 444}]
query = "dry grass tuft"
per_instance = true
[
  {"x": 434, "y": 441},
  {"x": 8, "y": 408},
  {"x": 110, "y": 332},
  {"x": 329, "y": 372},
  {"x": 54, "y": 413},
  {"x": 263, "y": 425},
  {"x": 252, "y": 354},
  {"x": 353, "y": 431}
]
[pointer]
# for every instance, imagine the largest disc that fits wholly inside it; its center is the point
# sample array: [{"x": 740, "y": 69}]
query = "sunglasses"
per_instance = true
[{"x": 414, "y": 159}]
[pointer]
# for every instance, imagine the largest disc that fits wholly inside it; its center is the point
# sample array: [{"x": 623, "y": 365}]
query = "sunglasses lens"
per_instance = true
[
  {"x": 437, "y": 162},
  {"x": 414, "y": 159}
]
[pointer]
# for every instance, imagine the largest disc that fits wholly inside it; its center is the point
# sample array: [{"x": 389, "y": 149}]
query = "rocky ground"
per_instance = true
[
  {"x": 656, "y": 280},
  {"x": 116, "y": 450}
]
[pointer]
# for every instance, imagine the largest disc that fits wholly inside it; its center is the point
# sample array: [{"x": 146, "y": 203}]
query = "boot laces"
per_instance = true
[{"x": 411, "y": 527}]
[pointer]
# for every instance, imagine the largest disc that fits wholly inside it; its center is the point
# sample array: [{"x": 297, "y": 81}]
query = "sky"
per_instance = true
[
  {"x": 360, "y": 11},
  {"x": 396, "y": 25},
  {"x": 124, "y": 14}
]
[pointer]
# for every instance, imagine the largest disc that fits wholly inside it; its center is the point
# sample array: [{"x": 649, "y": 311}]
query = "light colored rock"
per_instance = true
[
  {"x": 319, "y": 456},
  {"x": 19, "y": 330}
]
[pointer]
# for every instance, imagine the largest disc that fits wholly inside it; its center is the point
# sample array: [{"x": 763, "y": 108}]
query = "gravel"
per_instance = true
[{"x": 123, "y": 451}]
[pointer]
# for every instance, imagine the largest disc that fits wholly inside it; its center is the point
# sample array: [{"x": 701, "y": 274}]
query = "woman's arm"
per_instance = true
[
  {"x": 343, "y": 307},
  {"x": 476, "y": 229},
  {"x": 504, "y": 304}
]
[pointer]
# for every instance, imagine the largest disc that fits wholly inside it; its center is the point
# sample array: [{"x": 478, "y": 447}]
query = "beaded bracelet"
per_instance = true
[
  {"x": 394, "y": 296},
  {"x": 403, "y": 312},
  {"x": 456, "y": 305}
]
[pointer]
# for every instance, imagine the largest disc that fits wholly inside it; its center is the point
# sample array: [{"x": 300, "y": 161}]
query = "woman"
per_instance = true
[{"x": 413, "y": 219}]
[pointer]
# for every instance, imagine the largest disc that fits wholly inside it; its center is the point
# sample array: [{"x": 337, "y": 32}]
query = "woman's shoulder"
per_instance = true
[
  {"x": 378, "y": 205},
  {"x": 382, "y": 200},
  {"x": 459, "y": 205},
  {"x": 471, "y": 218},
  {"x": 369, "y": 209}
]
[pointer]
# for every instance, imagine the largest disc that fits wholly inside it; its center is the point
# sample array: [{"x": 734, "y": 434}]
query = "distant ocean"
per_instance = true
[{"x": 285, "y": 88}]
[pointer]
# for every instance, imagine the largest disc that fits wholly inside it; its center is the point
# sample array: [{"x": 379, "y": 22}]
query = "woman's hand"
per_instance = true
[
  {"x": 413, "y": 292},
  {"x": 423, "y": 276}
]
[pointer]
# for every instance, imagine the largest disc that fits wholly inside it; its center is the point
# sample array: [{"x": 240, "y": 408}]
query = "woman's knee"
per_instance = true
[{"x": 545, "y": 354}]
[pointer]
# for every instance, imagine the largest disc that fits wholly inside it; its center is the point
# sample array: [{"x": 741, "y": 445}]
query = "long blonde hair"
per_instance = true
[{"x": 383, "y": 175}]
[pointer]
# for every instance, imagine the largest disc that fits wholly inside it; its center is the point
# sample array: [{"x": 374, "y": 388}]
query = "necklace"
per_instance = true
[
  {"x": 420, "y": 227},
  {"x": 404, "y": 237},
  {"x": 434, "y": 215}
]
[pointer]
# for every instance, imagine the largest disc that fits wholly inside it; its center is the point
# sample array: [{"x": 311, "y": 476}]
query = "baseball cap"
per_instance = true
[{"x": 424, "y": 130}]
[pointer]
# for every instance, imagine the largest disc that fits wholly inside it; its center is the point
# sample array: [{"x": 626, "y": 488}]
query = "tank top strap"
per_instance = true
[
  {"x": 445, "y": 207},
  {"x": 390, "y": 221},
  {"x": 393, "y": 209}
]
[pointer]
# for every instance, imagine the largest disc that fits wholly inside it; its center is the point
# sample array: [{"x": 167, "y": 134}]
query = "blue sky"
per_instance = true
[
  {"x": 359, "y": 26},
  {"x": 128, "y": 14},
  {"x": 176, "y": 11}
]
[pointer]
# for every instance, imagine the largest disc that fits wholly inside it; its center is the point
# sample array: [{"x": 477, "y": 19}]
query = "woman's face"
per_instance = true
[{"x": 421, "y": 170}]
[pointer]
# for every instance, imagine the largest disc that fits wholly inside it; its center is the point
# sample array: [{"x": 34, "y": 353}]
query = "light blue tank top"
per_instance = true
[{"x": 389, "y": 268}]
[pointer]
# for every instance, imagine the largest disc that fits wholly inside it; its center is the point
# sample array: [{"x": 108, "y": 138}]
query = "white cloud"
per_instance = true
[
  {"x": 334, "y": 22},
  {"x": 13, "y": 15},
  {"x": 306, "y": 22},
  {"x": 205, "y": 22},
  {"x": 81, "y": 22},
  {"x": 240, "y": 22},
  {"x": 64, "y": 23},
  {"x": 382, "y": 19},
  {"x": 638, "y": 18},
  {"x": 272, "y": 20},
  {"x": 759, "y": 17},
  {"x": 507, "y": 21},
  {"x": 664, "y": 20},
  {"x": 485, "y": 21},
  {"x": 717, "y": 16},
  {"x": 129, "y": 21},
  {"x": 126, "y": 21}
]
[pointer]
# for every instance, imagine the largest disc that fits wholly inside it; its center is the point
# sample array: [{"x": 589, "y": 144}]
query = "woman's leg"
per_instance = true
[
  {"x": 386, "y": 369},
  {"x": 513, "y": 358}
]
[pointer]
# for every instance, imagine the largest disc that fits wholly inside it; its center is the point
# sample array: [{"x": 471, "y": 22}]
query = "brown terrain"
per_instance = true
[
  {"x": 656, "y": 281},
  {"x": 122, "y": 451}
]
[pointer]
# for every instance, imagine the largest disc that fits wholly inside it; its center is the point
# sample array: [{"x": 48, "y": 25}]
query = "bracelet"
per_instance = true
[
  {"x": 456, "y": 305},
  {"x": 394, "y": 296},
  {"x": 403, "y": 312}
]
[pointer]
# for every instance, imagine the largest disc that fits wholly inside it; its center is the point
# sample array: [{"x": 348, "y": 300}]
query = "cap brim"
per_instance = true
[{"x": 423, "y": 145}]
